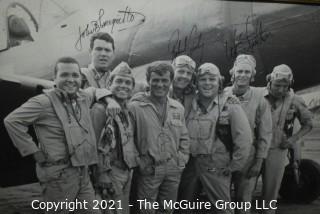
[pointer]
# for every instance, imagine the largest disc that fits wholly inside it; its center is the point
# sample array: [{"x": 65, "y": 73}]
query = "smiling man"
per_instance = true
[
  {"x": 258, "y": 113},
  {"x": 67, "y": 143},
  {"x": 116, "y": 149},
  {"x": 162, "y": 139},
  {"x": 102, "y": 55},
  {"x": 183, "y": 88},
  {"x": 220, "y": 136}
]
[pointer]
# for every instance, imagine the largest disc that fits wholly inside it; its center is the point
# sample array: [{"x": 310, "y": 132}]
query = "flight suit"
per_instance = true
[
  {"x": 209, "y": 155},
  {"x": 91, "y": 77},
  {"x": 291, "y": 107},
  {"x": 67, "y": 139},
  {"x": 117, "y": 153},
  {"x": 258, "y": 113},
  {"x": 163, "y": 149},
  {"x": 186, "y": 100}
]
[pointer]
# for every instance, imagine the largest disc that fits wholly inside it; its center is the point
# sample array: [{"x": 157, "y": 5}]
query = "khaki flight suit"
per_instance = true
[
  {"x": 209, "y": 155},
  {"x": 292, "y": 106},
  {"x": 258, "y": 113},
  {"x": 67, "y": 140},
  {"x": 163, "y": 148}
]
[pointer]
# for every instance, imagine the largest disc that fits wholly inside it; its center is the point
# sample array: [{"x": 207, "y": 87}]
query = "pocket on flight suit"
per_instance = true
[
  {"x": 200, "y": 129},
  {"x": 47, "y": 174},
  {"x": 50, "y": 177},
  {"x": 175, "y": 127},
  {"x": 57, "y": 179}
]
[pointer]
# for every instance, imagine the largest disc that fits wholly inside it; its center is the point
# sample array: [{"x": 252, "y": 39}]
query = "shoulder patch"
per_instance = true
[{"x": 233, "y": 100}]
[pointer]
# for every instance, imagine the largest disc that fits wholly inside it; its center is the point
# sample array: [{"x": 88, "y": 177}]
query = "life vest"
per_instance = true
[{"x": 80, "y": 137}]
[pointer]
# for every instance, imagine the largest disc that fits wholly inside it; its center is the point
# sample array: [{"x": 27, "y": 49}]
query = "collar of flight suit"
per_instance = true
[
  {"x": 144, "y": 100},
  {"x": 266, "y": 92},
  {"x": 244, "y": 97},
  {"x": 61, "y": 93},
  {"x": 213, "y": 103},
  {"x": 96, "y": 74}
]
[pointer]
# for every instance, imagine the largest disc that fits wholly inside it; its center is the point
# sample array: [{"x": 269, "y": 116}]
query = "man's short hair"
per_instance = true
[
  {"x": 102, "y": 36},
  {"x": 65, "y": 59},
  {"x": 160, "y": 68}
]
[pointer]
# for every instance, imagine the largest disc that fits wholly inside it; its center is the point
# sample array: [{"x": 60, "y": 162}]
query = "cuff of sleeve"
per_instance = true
[{"x": 31, "y": 150}]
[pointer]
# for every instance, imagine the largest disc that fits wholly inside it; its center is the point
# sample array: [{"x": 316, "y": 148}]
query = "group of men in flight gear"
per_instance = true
[{"x": 184, "y": 135}]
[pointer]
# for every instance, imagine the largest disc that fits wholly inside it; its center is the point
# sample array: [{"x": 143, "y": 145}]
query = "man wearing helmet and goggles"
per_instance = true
[
  {"x": 285, "y": 108},
  {"x": 183, "y": 88}
]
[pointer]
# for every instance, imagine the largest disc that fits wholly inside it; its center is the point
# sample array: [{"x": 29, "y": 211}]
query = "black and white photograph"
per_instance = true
[{"x": 159, "y": 107}]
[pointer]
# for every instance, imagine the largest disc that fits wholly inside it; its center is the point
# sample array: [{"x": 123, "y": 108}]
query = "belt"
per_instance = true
[
  {"x": 201, "y": 155},
  {"x": 160, "y": 162},
  {"x": 55, "y": 163},
  {"x": 119, "y": 164}
]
